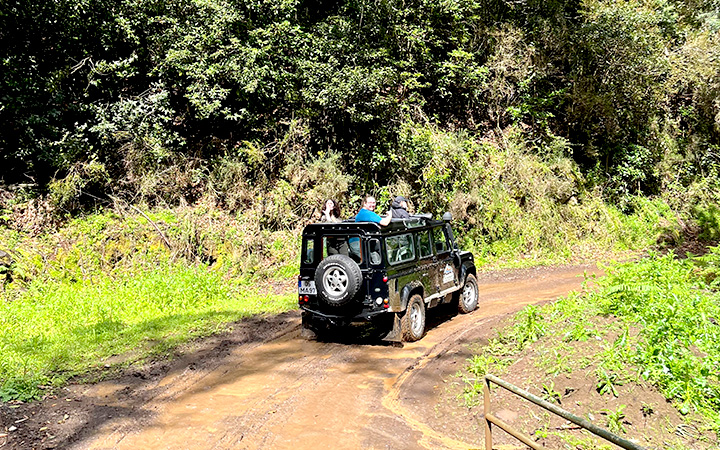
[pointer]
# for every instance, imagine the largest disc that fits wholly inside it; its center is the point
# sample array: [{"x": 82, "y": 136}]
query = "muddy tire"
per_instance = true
[
  {"x": 338, "y": 279},
  {"x": 412, "y": 322},
  {"x": 468, "y": 295}
]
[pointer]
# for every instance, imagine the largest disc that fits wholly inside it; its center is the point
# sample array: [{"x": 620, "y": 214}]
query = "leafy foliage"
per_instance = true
[
  {"x": 615, "y": 420},
  {"x": 160, "y": 93}
]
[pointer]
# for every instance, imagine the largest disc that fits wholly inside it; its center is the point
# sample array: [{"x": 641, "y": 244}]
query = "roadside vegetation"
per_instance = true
[
  {"x": 650, "y": 323},
  {"x": 114, "y": 288},
  {"x": 59, "y": 330},
  {"x": 159, "y": 159}
]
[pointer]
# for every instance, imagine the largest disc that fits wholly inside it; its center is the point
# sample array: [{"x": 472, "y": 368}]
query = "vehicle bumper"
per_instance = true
[{"x": 364, "y": 316}]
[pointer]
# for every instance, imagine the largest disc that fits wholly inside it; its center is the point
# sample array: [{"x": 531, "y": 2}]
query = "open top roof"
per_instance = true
[{"x": 417, "y": 221}]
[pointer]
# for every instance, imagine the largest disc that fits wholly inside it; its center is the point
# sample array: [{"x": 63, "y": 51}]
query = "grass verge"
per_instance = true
[
  {"x": 58, "y": 329},
  {"x": 650, "y": 328}
]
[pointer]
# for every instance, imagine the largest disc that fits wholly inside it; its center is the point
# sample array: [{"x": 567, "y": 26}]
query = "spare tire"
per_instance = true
[{"x": 338, "y": 279}]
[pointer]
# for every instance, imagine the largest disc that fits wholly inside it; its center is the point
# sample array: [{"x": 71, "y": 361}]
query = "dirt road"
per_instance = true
[{"x": 264, "y": 387}]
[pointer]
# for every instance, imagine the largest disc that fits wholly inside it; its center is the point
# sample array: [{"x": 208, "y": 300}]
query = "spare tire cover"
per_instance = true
[{"x": 338, "y": 279}]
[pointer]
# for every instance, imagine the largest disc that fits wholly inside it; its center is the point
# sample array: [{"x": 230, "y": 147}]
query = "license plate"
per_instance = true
[{"x": 306, "y": 287}]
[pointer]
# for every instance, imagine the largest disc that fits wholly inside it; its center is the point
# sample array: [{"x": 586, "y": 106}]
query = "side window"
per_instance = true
[
  {"x": 308, "y": 251},
  {"x": 354, "y": 249},
  {"x": 375, "y": 252},
  {"x": 424, "y": 248},
  {"x": 348, "y": 246},
  {"x": 400, "y": 248},
  {"x": 441, "y": 244}
]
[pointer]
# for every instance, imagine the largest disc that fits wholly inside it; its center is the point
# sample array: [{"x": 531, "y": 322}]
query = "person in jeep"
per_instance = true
[
  {"x": 388, "y": 275},
  {"x": 398, "y": 208},
  {"x": 367, "y": 213}
]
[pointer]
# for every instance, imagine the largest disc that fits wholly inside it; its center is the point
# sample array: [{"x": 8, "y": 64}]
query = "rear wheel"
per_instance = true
[
  {"x": 412, "y": 322},
  {"x": 468, "y": 299}
]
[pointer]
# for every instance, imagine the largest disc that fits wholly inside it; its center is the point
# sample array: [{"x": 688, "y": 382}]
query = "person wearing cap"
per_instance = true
[{"x": 399, "y": 208}]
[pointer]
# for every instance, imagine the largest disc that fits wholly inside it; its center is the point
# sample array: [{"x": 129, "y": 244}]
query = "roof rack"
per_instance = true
[{"x": 414, "y": 221}]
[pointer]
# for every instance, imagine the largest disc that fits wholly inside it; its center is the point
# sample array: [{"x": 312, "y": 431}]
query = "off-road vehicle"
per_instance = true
[{"x": 360, "y": 271}]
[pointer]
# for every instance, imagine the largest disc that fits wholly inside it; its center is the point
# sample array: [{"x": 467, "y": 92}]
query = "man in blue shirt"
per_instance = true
[{"x": 367, "y": 213}]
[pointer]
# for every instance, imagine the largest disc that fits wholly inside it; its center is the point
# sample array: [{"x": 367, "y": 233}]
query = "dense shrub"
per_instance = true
[{"x": 158, "y": 93}]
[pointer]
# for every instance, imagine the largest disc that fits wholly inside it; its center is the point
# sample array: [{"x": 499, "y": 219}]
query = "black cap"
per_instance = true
[{"x": 400, "y": 198}]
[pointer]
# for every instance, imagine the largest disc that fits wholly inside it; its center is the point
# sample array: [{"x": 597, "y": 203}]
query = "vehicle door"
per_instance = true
[
  {"x": 427, "y": 262},
  {"x": 446, "y": 275},
  {"x": 400, "y": 253}
]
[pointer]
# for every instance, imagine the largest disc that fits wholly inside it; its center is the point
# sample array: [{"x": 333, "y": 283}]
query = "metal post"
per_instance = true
[
  {"x": 488, "y": 425},
  {"x": 603, "y": 433},
  {"x": 512, "y": 431}
]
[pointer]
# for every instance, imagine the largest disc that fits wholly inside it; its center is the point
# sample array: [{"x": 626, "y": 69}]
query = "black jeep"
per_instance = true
[{"x": 360, "y": 271}]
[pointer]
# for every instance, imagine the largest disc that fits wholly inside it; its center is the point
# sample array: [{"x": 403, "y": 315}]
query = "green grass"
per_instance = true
[
  {"x": 58, "y": 328},
  {"x": 558, "y": 234},
  {"x": 110, "y": 288},
  {"x": 675, "y": 303},
  {"x": 660, "y": 314}
]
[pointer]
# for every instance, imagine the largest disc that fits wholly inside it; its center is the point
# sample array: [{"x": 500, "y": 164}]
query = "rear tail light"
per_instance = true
[{"x": 385, "y": 279}]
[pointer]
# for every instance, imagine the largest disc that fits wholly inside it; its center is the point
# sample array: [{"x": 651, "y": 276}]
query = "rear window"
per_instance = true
[
  {"x": 343, "y": 245},
  {"x": 375, "y": 252},
  {"x": 400, "y": 248}
]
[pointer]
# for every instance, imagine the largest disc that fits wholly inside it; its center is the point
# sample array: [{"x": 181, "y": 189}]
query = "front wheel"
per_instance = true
[
  {"x": 468, "y": 299},
  {"x": 412, "y": 322}
]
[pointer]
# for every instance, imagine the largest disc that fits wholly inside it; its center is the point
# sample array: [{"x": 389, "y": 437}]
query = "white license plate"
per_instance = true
[{"x": 307, "y": 287}]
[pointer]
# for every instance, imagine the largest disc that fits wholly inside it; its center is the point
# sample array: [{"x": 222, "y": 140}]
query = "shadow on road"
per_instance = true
[{"x": 369, "y": 334}]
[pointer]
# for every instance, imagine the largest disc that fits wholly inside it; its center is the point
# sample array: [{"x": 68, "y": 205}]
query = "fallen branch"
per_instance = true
[{"x": 162, "y": 235}]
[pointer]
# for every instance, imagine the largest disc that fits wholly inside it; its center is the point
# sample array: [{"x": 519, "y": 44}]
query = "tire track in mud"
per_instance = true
[
  {"x": 264, "y": 387},
  {"x": 431, "y": 438},
  {"x": 546, "y": 289}
]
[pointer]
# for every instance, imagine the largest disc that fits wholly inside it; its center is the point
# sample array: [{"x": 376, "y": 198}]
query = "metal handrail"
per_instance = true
[{"x": 491, "y": 419}]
